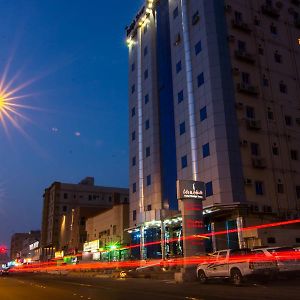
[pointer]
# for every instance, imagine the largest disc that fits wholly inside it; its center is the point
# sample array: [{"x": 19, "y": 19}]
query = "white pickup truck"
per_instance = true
[{"x": 236, "y": 265}]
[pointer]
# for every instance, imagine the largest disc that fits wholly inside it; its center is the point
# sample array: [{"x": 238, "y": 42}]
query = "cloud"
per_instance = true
[{"x": 77, "y": 133}]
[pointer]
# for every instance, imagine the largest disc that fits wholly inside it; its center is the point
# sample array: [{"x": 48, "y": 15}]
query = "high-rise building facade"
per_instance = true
[
  {"x": 214, "y": 96},
  {"x": 66, "y": 203}
]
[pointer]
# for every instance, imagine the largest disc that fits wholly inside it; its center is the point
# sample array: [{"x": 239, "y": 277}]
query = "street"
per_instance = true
[{"x": 46, "y": 287}]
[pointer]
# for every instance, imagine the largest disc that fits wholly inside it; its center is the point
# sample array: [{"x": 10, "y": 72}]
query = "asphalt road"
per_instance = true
[{"x": 40, "y": 287}]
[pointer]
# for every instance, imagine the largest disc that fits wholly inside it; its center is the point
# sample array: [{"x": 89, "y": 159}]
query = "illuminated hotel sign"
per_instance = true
[
  {"x": 189, "y": 189},
  {"x": 92, "y": 246},
  {"x": 192, "y": 193}
]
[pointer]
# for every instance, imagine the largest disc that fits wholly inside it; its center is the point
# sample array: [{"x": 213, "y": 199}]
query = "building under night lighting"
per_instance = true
[{"x": 214, "y": 96}]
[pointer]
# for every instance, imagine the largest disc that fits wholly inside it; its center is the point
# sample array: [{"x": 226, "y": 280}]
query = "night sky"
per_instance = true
[{"x": 73, "y": 56}]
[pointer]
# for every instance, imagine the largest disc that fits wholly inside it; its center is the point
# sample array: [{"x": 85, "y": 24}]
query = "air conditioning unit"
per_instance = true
[
  {"x": 248, "y": 181},
  {"x": 259, "y": 163}
]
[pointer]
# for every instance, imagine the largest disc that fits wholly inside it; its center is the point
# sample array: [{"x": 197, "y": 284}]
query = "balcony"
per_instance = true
[
  {"x": 247, "y": 89},
  {"x": 240, "y": 25},
  {"x": 259, "y": 163},
  {"x": 245, "y": 56},
  {"x": 253, "y": 124},
  {"x": 270, "y": 11}
]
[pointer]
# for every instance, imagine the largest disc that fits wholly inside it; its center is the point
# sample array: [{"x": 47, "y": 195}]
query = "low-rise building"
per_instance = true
[{"x": 107, "y": 239}]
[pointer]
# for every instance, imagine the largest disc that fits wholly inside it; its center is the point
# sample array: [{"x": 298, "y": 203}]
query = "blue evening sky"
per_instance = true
[{"x": 75, "y": 53}]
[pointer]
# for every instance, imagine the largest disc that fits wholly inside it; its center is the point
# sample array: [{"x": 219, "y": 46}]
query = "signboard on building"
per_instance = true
[
  {"x": 34, "y": 245},
  {"x": 192, "y": 193},
  {"x": 92, "y": 246},
  {"x": 59, "y": 254},
  {"x": 189, "y": 189}
]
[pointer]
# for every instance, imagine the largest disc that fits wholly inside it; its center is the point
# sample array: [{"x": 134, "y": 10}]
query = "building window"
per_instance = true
[
  {"x": 265, "y": 81},
  {"x": 147, "y": 124},
  {"x": 65, "y": 196},
  {"x": 148, "y": 152},
  {"x": 245, "y": 78},
  {"x": 134, "y": 161},
  {"x": 133, "y": 112},
  {"x": 183, "y": 162},
  {"x": 146, "y": 99},
  {"x": 134, "y": 215},
  {"x": 260, "y": 50},
  {"x": 270, "y": 115},
  {"x": 114, "y": 229},
  {"x": 134, "y": 188},
  {"x": 283, "y": 87},
  {"x": 275, "y": 150},
  {"x": 205, "y": 150},
  {"x": 277, "y": 57},
  {"x": 250, "y": 112},
  {"x": 65, "y": 208},
  {"x": 145, "y": 28},
  {"x": 180, "y": 96},
  {"x": 254, "y": 149},
  {"x": 178, "y": 67},
  {"x": 241, "y": 46},
  {"x": 294, "y": 154},
  {"x": 238, "y": 16},
  {"x": 175, "y": 13},
  {"x": 200, "y": 79},
  {"x": 90, "y": 197},
  {"x": 273, "y": 29},
  {"x": 208, "y": 189},
  {"x": 132, "y": 89},
  {"x": 132, "y": 67},
  {"x": 182, "y": 128},
  {"x": 271, "y": 240},
  {"x": 133, "y": 136},
  {"x": 146, "y": 74},
  {"x": 203, "y": 113},
  {"x": 298, "y": 191},
  {"x": 198, "y": 48},
  {"x": 259, "y": 188},
  {"x": 149, "y": 207},
  {"x": 280, "y": 188},
  {"x": 297, "y": 240},
  {"x": 145, "y": 51},
  {"x": 288, "y": 120},
  {"x": 148, "y": 180}
]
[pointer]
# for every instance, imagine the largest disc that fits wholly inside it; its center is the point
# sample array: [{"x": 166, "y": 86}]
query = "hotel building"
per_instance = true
[{"x": 214, "y": 96}]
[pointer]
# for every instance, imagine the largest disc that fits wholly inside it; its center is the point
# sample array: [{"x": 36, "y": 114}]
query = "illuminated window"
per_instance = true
[
  {"x": 146, "y": 99},
  {"x": 205, "y": 150},
  {"x": 200, "y": 79},
  {"x": 180, "y": 96},
  {"x": 203, "y": 113}
]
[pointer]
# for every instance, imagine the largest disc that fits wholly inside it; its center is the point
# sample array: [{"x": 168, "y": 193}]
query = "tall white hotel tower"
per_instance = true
[{"x": 214, "y": 96}]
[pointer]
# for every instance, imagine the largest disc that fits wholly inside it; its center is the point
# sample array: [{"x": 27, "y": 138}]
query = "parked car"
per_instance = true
[
  {"x": 287, "y": 258},
  {"x": 237, "y": 265}
]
